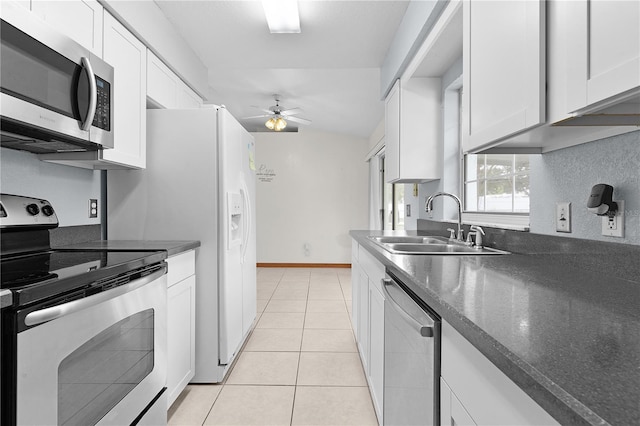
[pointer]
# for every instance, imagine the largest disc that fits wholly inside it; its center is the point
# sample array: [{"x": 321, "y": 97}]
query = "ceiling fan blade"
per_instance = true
[
  {"x": 268, "y": 111},
  {"x": 291, "y": 111},
  {"x": 298, "y": 120},
  {"x": 257, "y": 116}
]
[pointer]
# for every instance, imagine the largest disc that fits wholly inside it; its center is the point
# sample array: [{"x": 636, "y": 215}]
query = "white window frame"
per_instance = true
[{"x": 506, "y": 220}]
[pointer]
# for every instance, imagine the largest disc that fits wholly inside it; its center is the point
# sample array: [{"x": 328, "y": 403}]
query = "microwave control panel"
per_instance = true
[{"x": 102, "y": 119}]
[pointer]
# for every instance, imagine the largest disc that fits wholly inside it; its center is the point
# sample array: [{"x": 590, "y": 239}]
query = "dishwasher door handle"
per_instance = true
[{"x": 424, "y": 330}]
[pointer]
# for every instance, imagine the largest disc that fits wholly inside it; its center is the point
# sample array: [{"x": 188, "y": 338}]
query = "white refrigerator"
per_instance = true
[{"x": 199, "y": 184}]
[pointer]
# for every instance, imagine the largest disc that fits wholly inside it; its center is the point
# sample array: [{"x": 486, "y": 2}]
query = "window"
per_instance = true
[{"x": 496, "y": 183}]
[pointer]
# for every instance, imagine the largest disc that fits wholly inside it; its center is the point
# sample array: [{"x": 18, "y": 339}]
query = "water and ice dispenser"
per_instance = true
[{"x": 234, "y": 219}]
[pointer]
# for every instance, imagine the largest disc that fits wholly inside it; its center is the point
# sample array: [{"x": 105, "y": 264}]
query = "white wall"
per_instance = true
[
  {"x": 67, "y": 188},
  {"x": 312, "y": 190}
]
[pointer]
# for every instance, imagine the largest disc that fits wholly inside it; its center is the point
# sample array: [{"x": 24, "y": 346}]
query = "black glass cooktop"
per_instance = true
[{"x": 48, "y": 274}]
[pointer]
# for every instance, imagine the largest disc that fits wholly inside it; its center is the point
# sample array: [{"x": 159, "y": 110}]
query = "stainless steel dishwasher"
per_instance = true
[{"x": 411, "y": 359}]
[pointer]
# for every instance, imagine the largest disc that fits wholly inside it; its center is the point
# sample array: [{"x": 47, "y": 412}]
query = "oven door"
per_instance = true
[
  {"x": 100, "y": 360},
  {"x": 52, "y": 89}
]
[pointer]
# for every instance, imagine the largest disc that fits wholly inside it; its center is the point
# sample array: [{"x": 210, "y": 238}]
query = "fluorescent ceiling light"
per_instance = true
[{"x": 282, "y": 15}]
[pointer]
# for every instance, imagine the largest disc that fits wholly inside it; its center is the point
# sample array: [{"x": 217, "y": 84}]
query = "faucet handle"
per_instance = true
[
  {"x": 477, "y": 228},
  {"x": 453, "y": 233},
  {"x": 478, "y": 232}
]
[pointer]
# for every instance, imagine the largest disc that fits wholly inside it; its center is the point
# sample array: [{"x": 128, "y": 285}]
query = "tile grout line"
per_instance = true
[{"x": 295, "y": 388}]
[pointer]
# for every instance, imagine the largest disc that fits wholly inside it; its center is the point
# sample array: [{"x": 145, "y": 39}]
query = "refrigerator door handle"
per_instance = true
[{"x": 248, "y": 220}]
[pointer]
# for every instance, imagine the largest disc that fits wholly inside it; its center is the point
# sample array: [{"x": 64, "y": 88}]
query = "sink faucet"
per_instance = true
[{"x": 429, "y": 206}]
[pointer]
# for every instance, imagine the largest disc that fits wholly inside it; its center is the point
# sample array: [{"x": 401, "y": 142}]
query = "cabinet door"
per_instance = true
[
  {"x": 181, "y": 317},
  {"x": 187, "y": 98},
  {"x": 79, "y": 19},
  {"x": 128, "y": 56},
  {"x": 162, "y": 83},
  {"x": 362, "y": 336},
  {"x": 504, "y": 70},
  {"x": 603, "y": 52},
  {"x": 376, "y": 345},
  {"x": 452, "y": 412},
  {"x": 392, "y": 133},
  {"x": 355, "y": 293}
]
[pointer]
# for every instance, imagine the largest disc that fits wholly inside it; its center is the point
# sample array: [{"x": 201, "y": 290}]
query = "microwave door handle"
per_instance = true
[{"x": 93, "y": 94}]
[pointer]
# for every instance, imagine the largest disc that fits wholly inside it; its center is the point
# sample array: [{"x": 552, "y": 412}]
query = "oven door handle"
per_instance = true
[{"x": 54, "y": 312}]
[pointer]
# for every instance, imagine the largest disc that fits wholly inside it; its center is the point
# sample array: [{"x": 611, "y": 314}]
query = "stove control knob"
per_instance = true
[
  {"x": 33, "y": 209},
  {"x": 47, "y": 210}
]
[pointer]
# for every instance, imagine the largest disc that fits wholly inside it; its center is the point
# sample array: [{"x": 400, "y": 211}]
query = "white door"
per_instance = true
[{"x": 232, "y": 220}]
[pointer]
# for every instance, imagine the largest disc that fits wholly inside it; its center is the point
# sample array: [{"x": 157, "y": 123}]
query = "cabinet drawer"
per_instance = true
[
  {"x": 181, "y": 266},
  {"x": 480, "y": 386}
]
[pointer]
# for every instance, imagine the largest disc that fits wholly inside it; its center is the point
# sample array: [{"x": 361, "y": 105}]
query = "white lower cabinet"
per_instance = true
[
  {"x": 181, "y": 319},
  {"x": 475, "y": 391},
  {"x": 376, "y": 347},
  {"x": 362, "y": 334},
  {"x": 368, "y": 321}
]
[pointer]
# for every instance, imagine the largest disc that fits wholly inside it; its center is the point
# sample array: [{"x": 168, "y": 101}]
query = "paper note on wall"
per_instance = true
[{"x": 252, "y": 149}]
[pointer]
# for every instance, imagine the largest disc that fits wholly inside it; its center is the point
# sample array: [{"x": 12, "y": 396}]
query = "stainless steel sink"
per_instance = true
[
  {"x": 408, "y": 239},
  {"x": 430, "y": 245}
]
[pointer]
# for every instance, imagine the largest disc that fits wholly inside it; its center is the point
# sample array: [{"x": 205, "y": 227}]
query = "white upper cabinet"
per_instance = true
[
  {"x": 504, "y": 70},
  {"x": 603, "y": 51},
  {"x": 128, "y": 56},
  {"x": 187, "y": 98},
  {"x": 412, "y": 131},
  {"x": 79, "y": 19},
  {"x": 165, "y": 89},
  {"x": 162, "y": 86}
]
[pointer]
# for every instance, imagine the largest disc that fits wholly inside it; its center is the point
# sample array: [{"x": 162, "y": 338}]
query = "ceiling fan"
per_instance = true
[{"x": 278, "y": 116}]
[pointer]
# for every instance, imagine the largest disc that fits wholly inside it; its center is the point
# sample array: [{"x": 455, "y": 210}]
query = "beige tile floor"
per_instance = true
[{"x": 300, "y": 365}]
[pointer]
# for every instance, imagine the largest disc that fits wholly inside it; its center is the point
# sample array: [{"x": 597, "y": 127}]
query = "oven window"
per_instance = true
[{"x": 101, "y": 372}]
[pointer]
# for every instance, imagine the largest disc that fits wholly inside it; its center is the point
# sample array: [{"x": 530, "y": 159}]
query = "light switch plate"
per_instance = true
[
  {"x": 614, "y": 227},
  {"x": 563, "y": 217}
]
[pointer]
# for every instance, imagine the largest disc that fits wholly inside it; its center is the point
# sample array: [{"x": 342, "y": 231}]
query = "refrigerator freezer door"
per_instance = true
[{"x": 230, "y": 139}]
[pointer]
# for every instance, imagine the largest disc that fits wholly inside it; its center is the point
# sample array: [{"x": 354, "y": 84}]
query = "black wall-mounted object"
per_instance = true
[{"x": 601, "y": 200}]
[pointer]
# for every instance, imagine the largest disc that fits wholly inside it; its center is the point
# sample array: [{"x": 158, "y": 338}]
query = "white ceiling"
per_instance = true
[{"x": 331, "y": 70}]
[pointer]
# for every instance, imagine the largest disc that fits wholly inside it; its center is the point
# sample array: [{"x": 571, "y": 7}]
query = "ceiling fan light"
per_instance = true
[
  {"x": 270, "y": 124},
  {"x": 282, "y": 15},
  {"x": 280, "y": 124}
]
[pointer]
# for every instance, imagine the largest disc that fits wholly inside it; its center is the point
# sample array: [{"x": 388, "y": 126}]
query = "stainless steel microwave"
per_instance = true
[{"x": 55, "y": 95}]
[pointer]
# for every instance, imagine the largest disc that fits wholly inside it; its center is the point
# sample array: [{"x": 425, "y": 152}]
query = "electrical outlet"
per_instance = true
[
  {"x": 563, "y": 217},
  {"x": 93, "y": 208},
  {"x": 408, "y": 210},
  {"x": 614, "y": 226}
]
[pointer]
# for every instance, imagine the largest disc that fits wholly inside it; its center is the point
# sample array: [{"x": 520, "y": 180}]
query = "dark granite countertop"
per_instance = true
[
  {"x": 568, "y": 335},
  {"x": 171, "y": 247}
]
